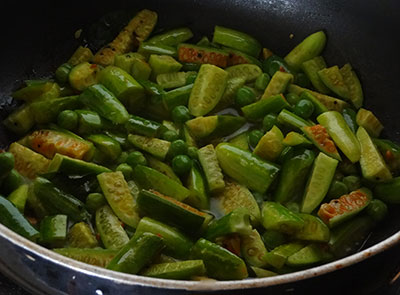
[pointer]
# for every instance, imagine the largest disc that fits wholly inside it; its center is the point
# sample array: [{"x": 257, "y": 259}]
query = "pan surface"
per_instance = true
[{"x": 39, "y": 37}]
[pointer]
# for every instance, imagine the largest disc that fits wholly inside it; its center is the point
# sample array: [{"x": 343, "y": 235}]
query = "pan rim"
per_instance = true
[{"x": 135, "y": 280}]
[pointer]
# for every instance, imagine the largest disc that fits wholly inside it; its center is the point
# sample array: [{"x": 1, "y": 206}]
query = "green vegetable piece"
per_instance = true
[
  {"x": 307, "y": 49},
  {"x": 270, "y": 145},
  {"x": 97, "y": 256},
  {"x": 214, "y": 126},
  {"x": 177, "y": 97},
  {"x": 108, "y": 146},
  {"x": 273, "y": 239},
  {"x": 240, "y": 141},
  {"x": 390, "y": 152},
  {"x": 137, "y": 253},
  {"x": 228, "y": 98},
  {"x": 377, "y": 210},
  {"x": 11, "y": 182},
  {"x": 341, "y": 134},
  {"x": 348, "y": 237},
  {"x": 37, "y": 91},
  {"x": 141, "y": 126},
  {"x": 179, "y": 270},
  {"x": 118, "y": 195},
  {"x": 293, "y": 176},
  {"x": 154, "y": 146},
  {"x": 332, "y": 104},
  {"x": 109, "y": 227},
  {"x": 278, "y": 84},
  {"x": 314, "y": 229},
  {"x": 55, "y": 199},
  {"x": 172, "y": 37},
  {"x": 352, "y": 182},
  {"x": 83, "y": 75},
  {"x": 19, "y": 197},
  {"x": 207, "y": 89},
  {"x": 20, "y": 121},
  {"x": 169, "y": 210},
  {"x": 262, "y": 273},
  {"x": 180, "y": 114},
  {"x": 373, "y": 167},
  {"x": 148, "y": 50},
  {"x": 369, "y": 122},
  {"x": 389, "y": 192},
  {"x": 126, "y": 170},
  {"x": 292, "y": 98},
  {"x": 196, "y": 183},
  {"x": 161, "y": 64},
  {"x": 246, "y": 168},
  {"x": 125, "y": 61},
  {"x": 277, "y": 217},
  {"x": 262, "y": 82},
  {"x": 81, "y": 236},
  {"x": 136, "y": 158},
  {"x": 292, "y": 120},
  {"x": 71, "y": 166},
  {"x": 172, "y": 80},
  {"x": 318, "y": 135},
  {"x": 193, "y": 56},
  {"x": 6, "y": 164},
  {"x": 296, "y": 139},
  {"x": 53, "y": 230},
  {"x": 254, "y": 136},
  {"x": 333, "y": 79},
  {"x": 311, "y": 68},
  {"x": 253, "y": 249},
  {"x": 177, "y": 244},
  {"x": 349, "y": 116},
  {"x": 237, "y": 40},
  {"x": 152, "y": 179},
  {"x": 248, "y": 72},
  {"x": 178, "y": 147},
  {"x": 263, "y": 107},
  {"x": 353, "y": 84},
  {"x": 14, "y": 220},
  {"x": 278, "y": 257},
  {"x": 27, "y": 162},
  {"x": 309, "y": 255},
  {"x": 140, "y": 70},
  {"x": 235, "y": 196},
  {"x": 274, "y": 63},
  {"x": 68, "y": 120},
  {"x": 81, "y": 54},
  {"x": 319, "y": 182},
  {"x": 220, "y": 263},
  {"x": 102, "y": 101},
  {"x": 122, "y": 85},
  {"x": 237, "y": 221},
  {"x": 211, "y": 167}
]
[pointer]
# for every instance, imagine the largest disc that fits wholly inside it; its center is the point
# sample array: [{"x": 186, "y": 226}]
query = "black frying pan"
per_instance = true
[{"x": 37, "y": 37}]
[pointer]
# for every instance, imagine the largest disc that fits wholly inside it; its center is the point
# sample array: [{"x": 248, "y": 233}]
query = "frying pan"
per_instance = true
[{"x": 37, "y": 37}]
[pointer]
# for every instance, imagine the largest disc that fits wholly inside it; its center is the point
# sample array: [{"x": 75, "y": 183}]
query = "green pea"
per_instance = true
[
  {"x": 275, "y": 63},
  {"x": 262, "y": 82},
  {"x": 191, "y": 78},
  {"x": 353, "y": 182},
  {"x": 304, "y": 108},
  {"x": 292, "y": 98},
  {"x": 377, "y": 209},
  {"x": 254, "y": 137},
  {"x": 170, "y": 135},
  {"x": 181, "y": 164},
  {"x": 192, "y": 152},
  {"x": 126, "y": 170},
  {"x": 269, "y": 121},
  {"x": 337, "y": 189},
  {"x": 180, "y": 114},
  {"x": 122, "y": 157},
  {"x": 68, "y": 120},
  {"x": 302, "y": 80},
  {"x": 136, "y": 158},
  {"x": 286, "y": 153},
  {"x": 244, "y": 96},
  {"x": 178, "y": 147},
  {"x": 94, "y": 201}
]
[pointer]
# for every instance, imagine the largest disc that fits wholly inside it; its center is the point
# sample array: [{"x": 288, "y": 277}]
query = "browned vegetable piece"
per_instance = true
[{"x": 137, "y": 30}]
